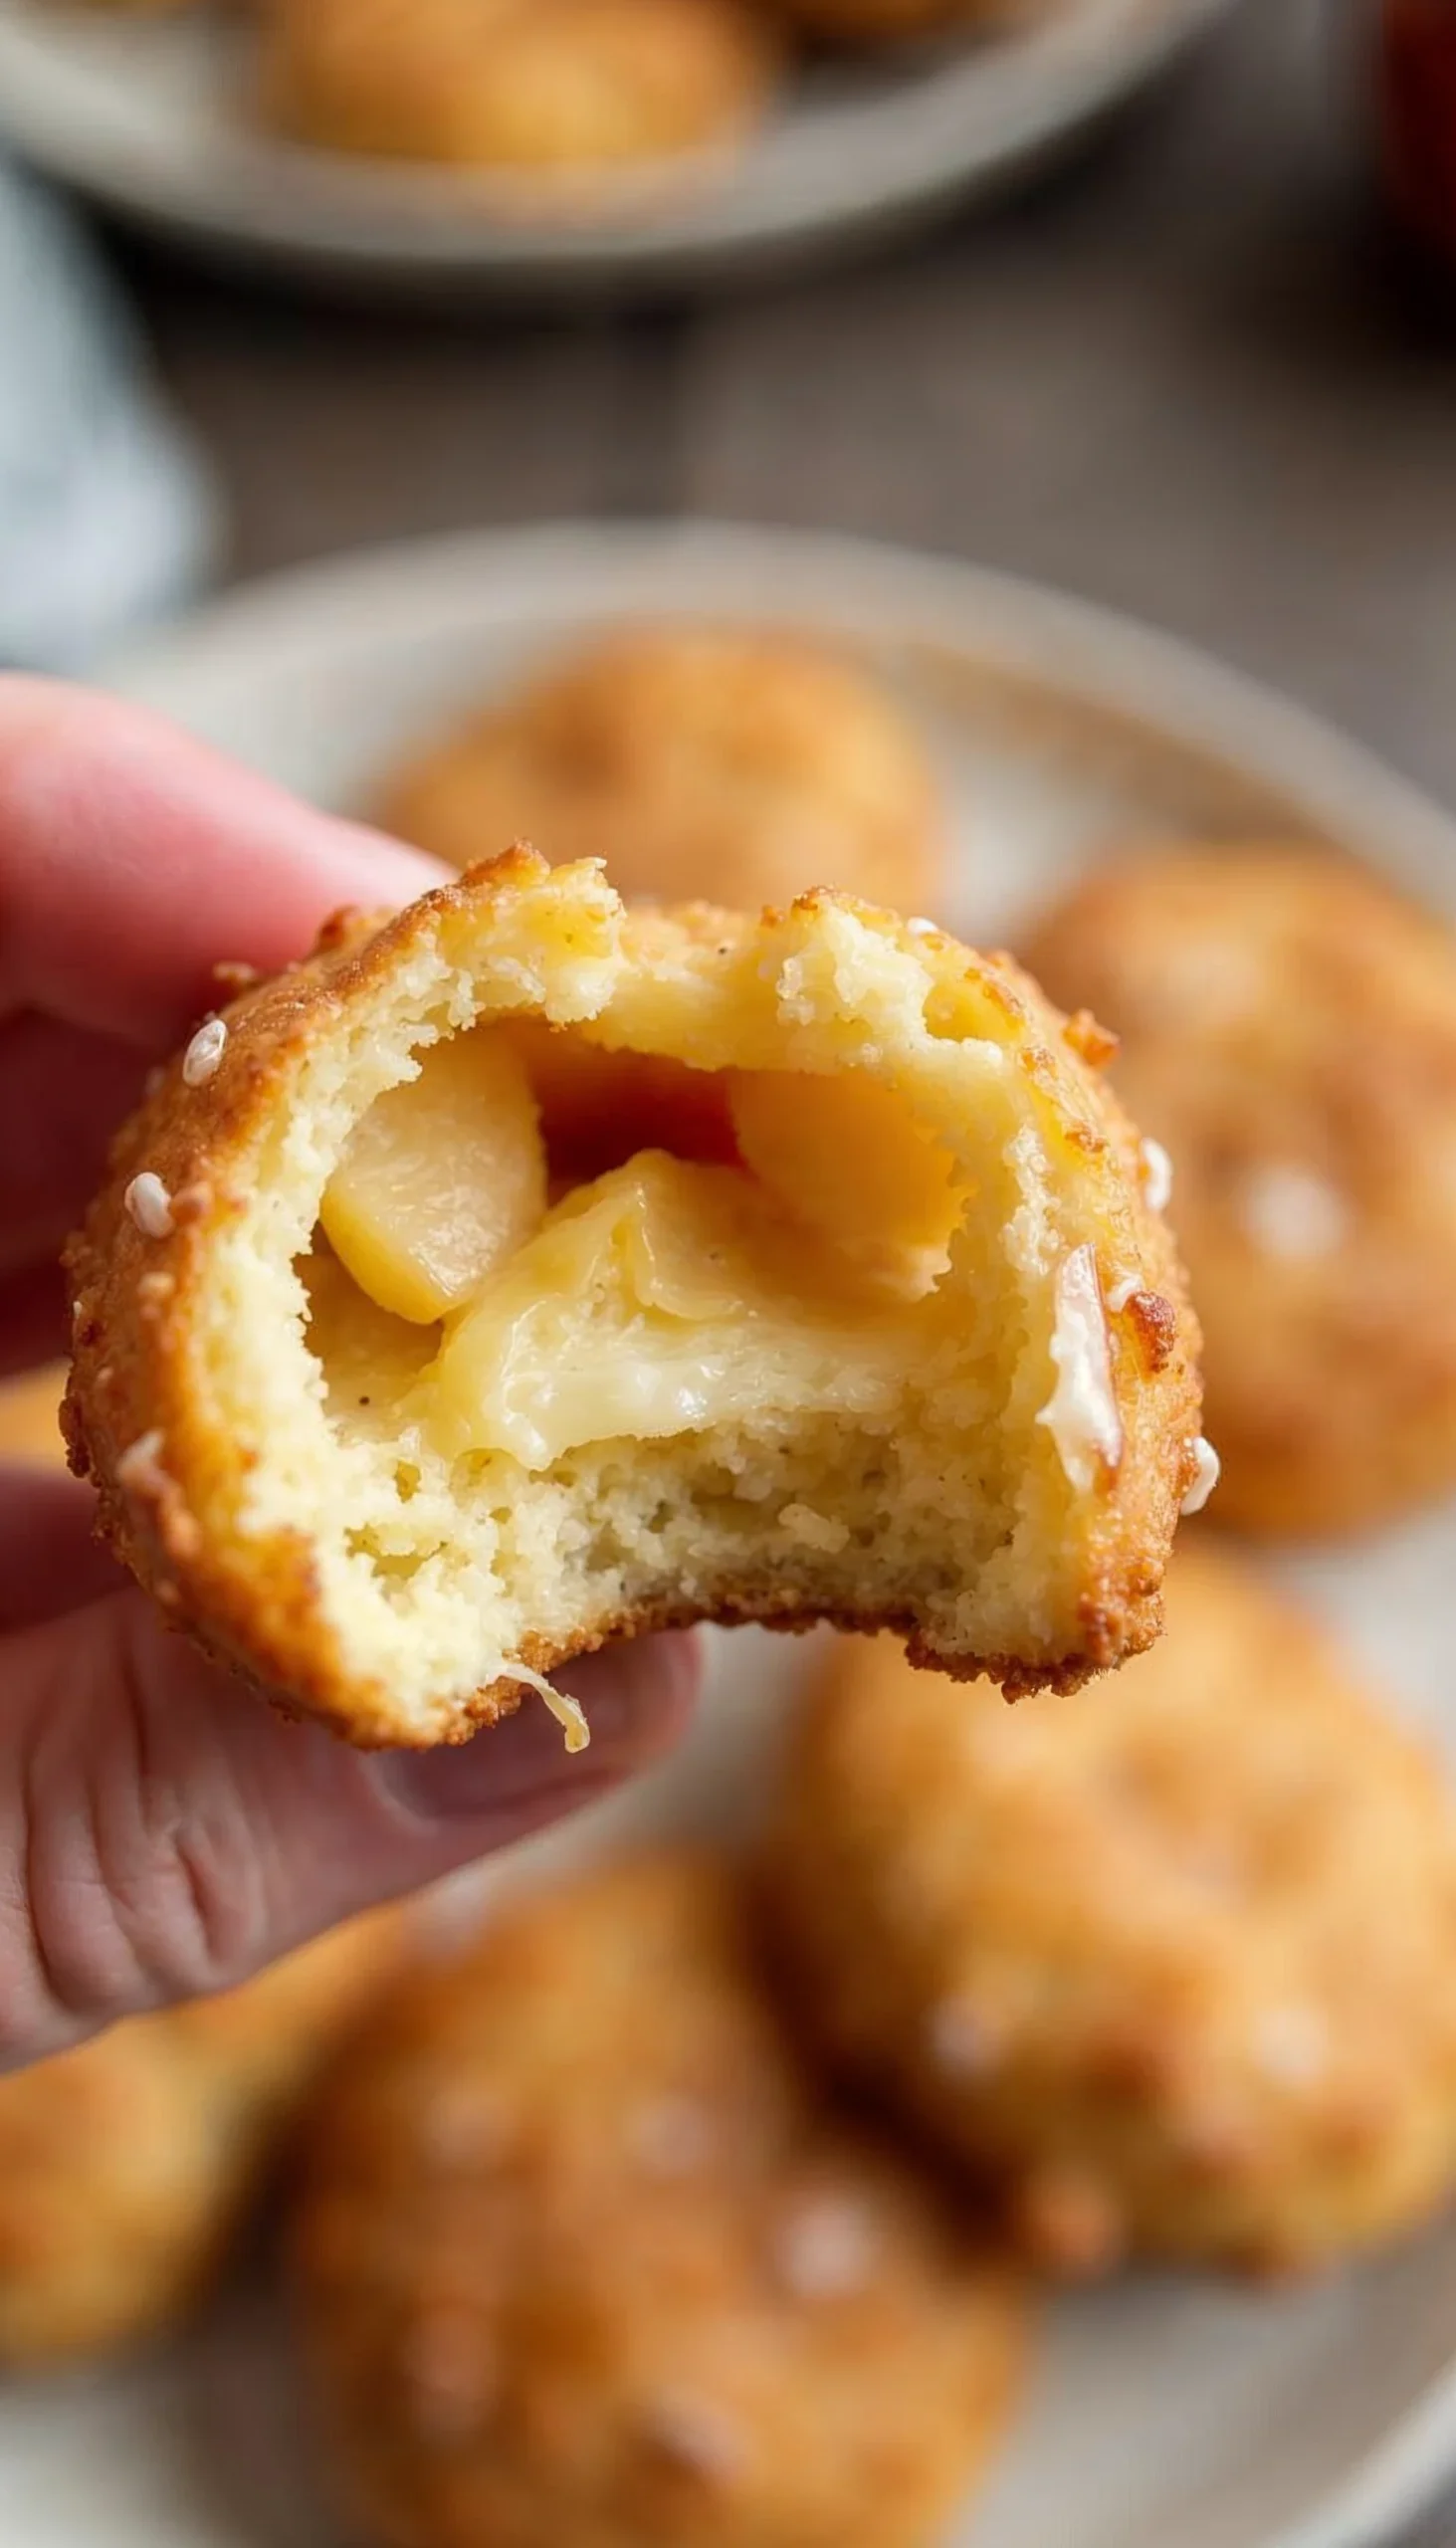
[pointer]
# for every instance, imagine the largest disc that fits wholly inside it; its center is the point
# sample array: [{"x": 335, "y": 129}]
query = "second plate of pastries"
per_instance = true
[{"x": 537, "y": 146}]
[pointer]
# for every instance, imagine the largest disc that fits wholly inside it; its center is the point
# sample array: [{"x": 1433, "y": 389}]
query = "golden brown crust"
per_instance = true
[
  {"x": 137, "y": 1378},
  {"x": 543, "y": 88},
  {"x": 1171, "y": 1966},
  {"x": 1288, "y": 1029},
  {"x": 126, "y": 2164},
  {"x": 740, "y": 765},
  {"x": 131, "y": 1376},
  {"x": 584, "y": 2258}
]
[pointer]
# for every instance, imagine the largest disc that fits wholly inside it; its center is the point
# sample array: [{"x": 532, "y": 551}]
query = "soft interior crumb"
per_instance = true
[{"x": 815, "y": 1529}]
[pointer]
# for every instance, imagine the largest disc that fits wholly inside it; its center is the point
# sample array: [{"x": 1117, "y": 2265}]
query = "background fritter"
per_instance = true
[
  {"x": 539, "y": 87},
  {"x": 1172, "y": 1962},
  {"x": 128, "y": 2165},
  {"x": 1288, "y": 1031},
  {"x": 583, "y": 2259},
  {"x": 735, "y": 766}
]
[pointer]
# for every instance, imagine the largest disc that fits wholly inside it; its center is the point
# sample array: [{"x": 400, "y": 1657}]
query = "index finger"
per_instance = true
[{"x": 134, "y": 859}]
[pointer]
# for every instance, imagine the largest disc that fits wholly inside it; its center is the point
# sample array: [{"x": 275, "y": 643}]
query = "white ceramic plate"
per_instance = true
[
  {"x": 151, "y": 119},
  {"x": 1164, "y": 2411}
]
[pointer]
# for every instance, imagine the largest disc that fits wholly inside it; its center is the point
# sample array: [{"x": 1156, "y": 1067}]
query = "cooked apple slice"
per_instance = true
[
  {"x": 663, "y": 1299},
  {"x": 849, "y": 1158},
  {"x": 441, "y": 1181}
]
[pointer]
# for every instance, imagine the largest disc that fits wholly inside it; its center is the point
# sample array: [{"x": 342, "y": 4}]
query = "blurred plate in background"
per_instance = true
[
  {"x": 1164, "y": 2410},
  {"x": 150, "y": 119}
]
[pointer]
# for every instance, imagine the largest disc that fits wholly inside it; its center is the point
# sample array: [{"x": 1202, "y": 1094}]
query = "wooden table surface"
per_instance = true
[{"x": 1174, "y": 378}]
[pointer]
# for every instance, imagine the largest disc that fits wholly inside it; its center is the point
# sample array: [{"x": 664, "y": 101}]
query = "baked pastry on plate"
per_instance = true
[
  {"x": 1170, "y": 1965},
  {"x": 543, "y": 88},
  {"x": 1288, "y": 1030},
  {"x": 741, "y": 766},
  {"x": 584, "y": 2256},
  {"x": 405, "y": 1370},
  {"x": 128, "y": 2165}
]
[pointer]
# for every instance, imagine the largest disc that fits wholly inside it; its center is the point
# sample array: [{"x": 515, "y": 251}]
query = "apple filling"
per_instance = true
[
  {"x": 596, "y": 1247},
  {"x": 441, "y": 1179}
]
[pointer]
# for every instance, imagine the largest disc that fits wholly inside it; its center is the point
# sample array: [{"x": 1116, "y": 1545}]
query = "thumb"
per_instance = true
[{"x": 163, "y": 1833}]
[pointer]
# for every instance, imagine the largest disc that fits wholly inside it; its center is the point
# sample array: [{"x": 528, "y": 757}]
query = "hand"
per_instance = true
[{"x": 161, "y": 1832}]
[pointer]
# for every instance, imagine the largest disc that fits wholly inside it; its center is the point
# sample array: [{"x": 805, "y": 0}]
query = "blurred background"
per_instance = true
[{"x": 1180, "y": 374}]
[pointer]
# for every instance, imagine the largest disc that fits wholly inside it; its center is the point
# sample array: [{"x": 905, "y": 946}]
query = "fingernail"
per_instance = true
[{"x": 636, "y": 1700}]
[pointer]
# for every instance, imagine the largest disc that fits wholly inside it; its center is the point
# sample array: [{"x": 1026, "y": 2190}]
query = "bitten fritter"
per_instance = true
[
  {"x": 735, "y": 765},
  {"x": 584, "y": 2259},
  {"x": 1173, "y": 1964},
  {"x": 397, "y": 1401},
  {"x": 1288, "y": 1029},
  {"x": 128, "y": 2165},
  {"x": 541, "y": 88}
]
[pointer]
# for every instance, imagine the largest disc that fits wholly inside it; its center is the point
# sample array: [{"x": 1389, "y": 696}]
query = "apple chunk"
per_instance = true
[{"x": 441, "y": 1181}]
